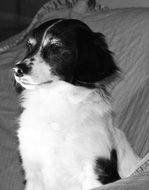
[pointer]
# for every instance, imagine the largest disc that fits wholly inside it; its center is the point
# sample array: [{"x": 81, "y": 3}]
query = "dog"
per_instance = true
[{"x": 67, "y": 137}]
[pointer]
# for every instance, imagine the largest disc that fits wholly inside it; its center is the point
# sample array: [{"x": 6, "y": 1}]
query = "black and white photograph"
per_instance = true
[{"x": 74, "y": 95}]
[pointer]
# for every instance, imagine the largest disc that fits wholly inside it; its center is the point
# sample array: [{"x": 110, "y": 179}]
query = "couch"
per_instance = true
[{"x": 127, "y": 33}]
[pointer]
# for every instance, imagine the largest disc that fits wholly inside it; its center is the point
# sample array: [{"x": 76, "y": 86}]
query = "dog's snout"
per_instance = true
[
  {"x": 18, "y": 71},
  {"x": 21, "y": 69}
]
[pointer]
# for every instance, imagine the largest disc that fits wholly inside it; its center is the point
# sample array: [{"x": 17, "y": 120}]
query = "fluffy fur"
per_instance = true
[{"x": 67, "y": 139}]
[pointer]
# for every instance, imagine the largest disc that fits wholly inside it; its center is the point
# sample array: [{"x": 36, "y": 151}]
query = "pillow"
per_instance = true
[
  {"x": 127, "y": 33},
  {"x": 10, "y": 170}
]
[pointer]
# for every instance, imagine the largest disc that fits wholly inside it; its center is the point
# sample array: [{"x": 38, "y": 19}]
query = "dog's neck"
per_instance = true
[{"x": 61, "y": 94}]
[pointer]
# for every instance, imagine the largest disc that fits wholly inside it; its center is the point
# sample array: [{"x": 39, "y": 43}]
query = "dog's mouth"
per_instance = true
[{"x": 28, "y": 83}]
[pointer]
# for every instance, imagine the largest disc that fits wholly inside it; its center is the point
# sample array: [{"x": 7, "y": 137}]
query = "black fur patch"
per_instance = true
[{"x": 107, "y": 169}]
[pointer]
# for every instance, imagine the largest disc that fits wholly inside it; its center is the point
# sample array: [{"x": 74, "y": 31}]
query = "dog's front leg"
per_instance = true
[
  {"x": 89, "y": 177},
  {"x": 33, "y": 185},
  {"x": 127, "y": 158}
]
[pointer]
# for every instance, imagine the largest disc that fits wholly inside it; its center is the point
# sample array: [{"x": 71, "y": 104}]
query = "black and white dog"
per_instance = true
[{"x": 67, "y": 139}]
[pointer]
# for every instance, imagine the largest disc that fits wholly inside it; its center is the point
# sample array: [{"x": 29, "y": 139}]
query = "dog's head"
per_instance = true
[{"x": 68, "y": 50}]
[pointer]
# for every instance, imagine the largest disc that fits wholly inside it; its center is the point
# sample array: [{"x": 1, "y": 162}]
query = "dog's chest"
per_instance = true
[{"x": 63, "y": 132}]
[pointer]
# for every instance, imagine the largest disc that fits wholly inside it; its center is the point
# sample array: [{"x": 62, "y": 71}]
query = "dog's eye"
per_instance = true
[
  {"x": 55, "y": 45},
  {"x": 51, "y": 49}
]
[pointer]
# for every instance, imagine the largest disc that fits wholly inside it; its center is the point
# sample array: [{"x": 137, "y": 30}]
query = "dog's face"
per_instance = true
[{"x": 64, "y": 49}]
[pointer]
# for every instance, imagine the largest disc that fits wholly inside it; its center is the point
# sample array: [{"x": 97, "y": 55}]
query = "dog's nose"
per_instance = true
[
  {"x": 18, "y": 71},
  {"x": 21, "y": 69}
]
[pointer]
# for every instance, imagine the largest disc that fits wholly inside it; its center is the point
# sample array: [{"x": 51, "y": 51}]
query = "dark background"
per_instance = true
[{"x": 15, "y": 15}]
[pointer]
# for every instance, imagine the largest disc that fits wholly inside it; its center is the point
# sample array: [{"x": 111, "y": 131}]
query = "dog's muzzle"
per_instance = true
[{"x": 21, "y": 69}]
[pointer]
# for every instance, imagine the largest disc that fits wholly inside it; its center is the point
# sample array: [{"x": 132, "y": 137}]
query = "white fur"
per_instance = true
[
  {"x": 32, "y": 41},
  {"x": 63, "y": 130}
]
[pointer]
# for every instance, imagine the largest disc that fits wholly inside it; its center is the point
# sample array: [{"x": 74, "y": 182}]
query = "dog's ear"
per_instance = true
[{"x": 95, "y": 61}]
